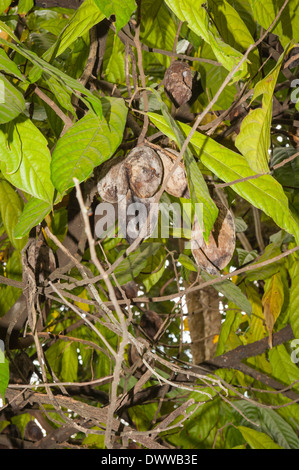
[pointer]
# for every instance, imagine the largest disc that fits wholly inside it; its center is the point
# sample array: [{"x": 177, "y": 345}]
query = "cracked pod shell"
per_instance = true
[
  {"x": 178, "y": 83},
  {"x": 144, "y": 171},
  {"x": 222, "y": 240}
]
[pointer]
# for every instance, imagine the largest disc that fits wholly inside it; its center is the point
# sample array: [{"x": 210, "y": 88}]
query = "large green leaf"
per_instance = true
[
  {"x": 4, "y": 4},
  {"x": 158, "y": 28},
  {"x": 12, "y": 102},
  {"x": 270, "y": 423},
  {"x": 122, "y": 9},
  {"x": 34, "y": 212},
  {"x": 231, "y": 292},
  {"x": 9, "y": 66},
  {"x": 253, "y": 140},
  {"x": 83, "y": 19},
  {"x": 114, "y": 59},
  {"x": 287, "y": 26},
  {"x": 233, "y": 30},
  {"x": 264, "y": 192},
  {"x": 11, "y": 206},
  {"x": 87, "y": 144},
  {"x": 283, "y": 368},
  {"x": 198, "y": 21},
  {"x": 257, "y": 439},
  {"x": 25, "y": 159},
  {"x": 41, "y": 65}
]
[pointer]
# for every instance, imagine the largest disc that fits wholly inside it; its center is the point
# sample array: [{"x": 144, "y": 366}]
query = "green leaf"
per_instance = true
[
  {"x": 69, "y": 362},
  {"x": 198, "y": 21},
  {"x": 4, "y": 4},
  {"x": 282, "y": 366},
  {"x": 11, "y": 206},
  {"x": 187, "y": 262},
  {"x": 158, "y": 28},
  {"x": 294, "y": 297},
  {"x": 253, "y": 140},
  {"x": 114, "y": 59},
  {"x": 12, "y": 102},
  {"x": 9, "y": 66},
  {"x": 24, "y": 6},
  {"x": 83, "y": 19},
  {"x": 257, "y": 439},
  {"x": 233, "y": 30},
  {"x": 233, "y": 319},
  {"x": 152, "y": 267},
  {"x": 130, "y": 267},
  {"x": 88, "y": 143},
  {"x": 41, "y": 65},
  {"x": 231, "y": 292},
  {"x": 264, "y": 192},
  {"x": 271, "y": 423},
  {"x": 33, "y": 214},
  {"x": 272, "y": 301},
  {"x": 4, "y": 373},
  {"x": 122, "y": 9},
  {"x": 286, "y": 27},
  {"x": 25, "y": 159}
]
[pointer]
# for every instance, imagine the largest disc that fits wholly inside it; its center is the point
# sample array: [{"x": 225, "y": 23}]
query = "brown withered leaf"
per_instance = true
[
  {"x": 178, "y": 83},
  {"x": 218, "y": 253}
]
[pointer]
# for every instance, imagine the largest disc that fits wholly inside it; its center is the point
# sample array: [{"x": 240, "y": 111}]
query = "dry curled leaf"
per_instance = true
[
  {"x": 218, "y": 253},
  {"x": 178, "y": 83},
  {"x": 177, "y": 183},
  {"x": 114, "y": 185},
  {"x": 144, "y": 171}
]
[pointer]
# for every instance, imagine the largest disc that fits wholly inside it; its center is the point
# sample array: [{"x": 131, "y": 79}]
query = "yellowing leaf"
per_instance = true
[
  {"x": 83, "y": 305},
  {"x": 215, "y": 339},
  {"x": 186, "y": 326},
  {"x": 272, "y": 302}
]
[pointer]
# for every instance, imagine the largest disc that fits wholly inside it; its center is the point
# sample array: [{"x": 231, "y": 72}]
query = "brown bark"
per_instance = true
[{"x": 204, "y": 322}]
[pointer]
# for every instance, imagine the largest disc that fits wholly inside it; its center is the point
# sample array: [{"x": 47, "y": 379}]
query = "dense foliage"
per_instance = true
[{"x": 149, "y": 342}]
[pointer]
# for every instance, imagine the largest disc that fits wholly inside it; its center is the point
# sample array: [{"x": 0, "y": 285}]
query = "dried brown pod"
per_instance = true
[
  {"x": 21, "y": 369},
  {"x": 150, "y": 322},
  {"x": 130, "y": 289},
  {"x": 114, "y": 185},
  {"x": 33, "y": 432},
  {"x": 137, "y": 217},
  {"x": 177, "y": 183},
  {"x": 218, "y": 253},
  {"x": 178, "y": 83},
  {"x": 144, "y": 171}
]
